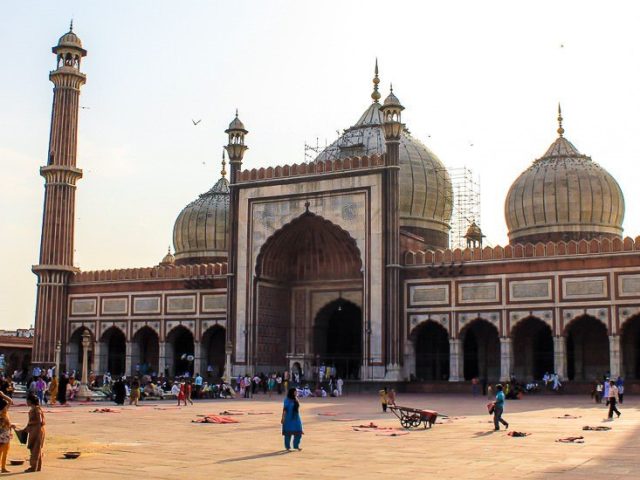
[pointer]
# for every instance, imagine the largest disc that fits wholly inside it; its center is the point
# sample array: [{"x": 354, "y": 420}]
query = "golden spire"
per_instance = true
[
  {"x": 376, "y": 94},
  {"x": 560, "y": 129},
  {"x": 223, "y": 172}
]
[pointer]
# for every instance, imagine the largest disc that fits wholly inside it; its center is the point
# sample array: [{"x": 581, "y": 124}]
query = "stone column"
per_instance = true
[
  {"x": 560, "y": 357},
  {"x": 506, "y": 358},
  {"x": 127, "y": 359},
  {"x": 615, "y": 358},
  {"x": 98, "y": 364},
  {"x": 197, "y": 361},
  {"x": 455, "y": 360},
  {"x": 161, "y": 357}
]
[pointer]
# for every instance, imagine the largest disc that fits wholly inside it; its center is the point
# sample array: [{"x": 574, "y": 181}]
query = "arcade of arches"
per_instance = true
[
  {"x": 145, "y": 354},
  {"x": 309, "y": 291},
  {"x": 584, "y": 353}
]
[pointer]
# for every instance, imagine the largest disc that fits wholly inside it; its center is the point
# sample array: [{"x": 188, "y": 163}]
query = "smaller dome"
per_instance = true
[
  {"x": 474, "y": 232},
  {"x": 168, "y": 259},
  {"x": 392, "y": 100},
  {"x": 236, "y": 124},
  {"x": 69, "y": 39},
  {"x": 201, "y": 231}
]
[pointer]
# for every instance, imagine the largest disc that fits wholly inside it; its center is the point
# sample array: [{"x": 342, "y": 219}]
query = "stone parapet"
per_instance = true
[
  {"x": 157, "y": 272},
  {"x": 601, "y": 246},
  {"x": 314, "y": 168}
]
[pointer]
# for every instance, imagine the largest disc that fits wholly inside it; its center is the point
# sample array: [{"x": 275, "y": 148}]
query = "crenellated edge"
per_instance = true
[
  {"x": 314, "y": 168},
  {"x": 169, "y": 272},
  {"x": 528, "y": 250}
]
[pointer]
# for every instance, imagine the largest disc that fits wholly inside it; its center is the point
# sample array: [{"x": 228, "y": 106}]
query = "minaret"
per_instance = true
[
  {"x": 60, "y": 176},
  {"x": 235, "y": 149},
  {"x": 392, "y": 125}
]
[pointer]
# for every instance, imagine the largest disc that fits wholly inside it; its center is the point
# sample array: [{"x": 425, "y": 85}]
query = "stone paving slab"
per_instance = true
[{"x": 147, "y": 443}]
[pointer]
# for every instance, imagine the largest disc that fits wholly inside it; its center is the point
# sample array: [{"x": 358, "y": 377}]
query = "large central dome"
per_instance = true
[{"x": 426, "y": 196}]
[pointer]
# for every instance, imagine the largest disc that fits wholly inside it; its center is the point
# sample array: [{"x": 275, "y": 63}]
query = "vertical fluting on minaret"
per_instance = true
[
  {"x": 391, "y": 111},
  {"x": 235, "y": 150},
  {"x": 60, "y": 175}
]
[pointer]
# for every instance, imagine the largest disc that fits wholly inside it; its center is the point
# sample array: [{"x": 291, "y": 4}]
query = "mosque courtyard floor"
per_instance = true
[{"x": 159, "y": 440}]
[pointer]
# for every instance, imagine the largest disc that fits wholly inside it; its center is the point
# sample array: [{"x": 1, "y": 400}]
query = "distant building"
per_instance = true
[
  {"x": 15, "y": 346},
  {"x": 344, "y": 262}
]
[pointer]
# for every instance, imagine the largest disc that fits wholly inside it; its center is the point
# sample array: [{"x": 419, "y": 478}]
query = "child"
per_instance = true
[{"x": 5, "y": 430}]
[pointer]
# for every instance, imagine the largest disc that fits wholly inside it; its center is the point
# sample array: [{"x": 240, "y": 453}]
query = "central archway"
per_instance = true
[
  {"x": 431, "y": 342},
  {"x": 481, "y": 346},
  {"x": 116, "y": 351},
  {"x": 532, "y": 349},
  {"x": 309, "y": 255},
  {"x": 337, "y": 336},
  {"x": 180, "y": 349},
  {"x": 587, "y": 349}
]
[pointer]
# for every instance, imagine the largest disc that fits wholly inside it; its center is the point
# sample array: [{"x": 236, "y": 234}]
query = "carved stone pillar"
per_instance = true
[
  {"x": 560, "y": 357},
  {"x": 162, "y": 362},
  {"x": 98, "y": 361},
  {"x": 197, "y": 361},
  {"x": 455, "y": 360},
  {"x": 127, "y": 359},
  {"x": 615, "y": 359},
  {"x": 506, "y": 358}
]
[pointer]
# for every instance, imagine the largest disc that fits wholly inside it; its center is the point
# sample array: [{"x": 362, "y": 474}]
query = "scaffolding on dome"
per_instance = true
[{"x": 466, "y": 204}]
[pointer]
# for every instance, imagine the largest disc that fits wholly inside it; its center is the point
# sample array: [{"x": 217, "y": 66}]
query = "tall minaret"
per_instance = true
[
  {"x": 392, "y": 126},
  {"x": 60, "y": 176}
]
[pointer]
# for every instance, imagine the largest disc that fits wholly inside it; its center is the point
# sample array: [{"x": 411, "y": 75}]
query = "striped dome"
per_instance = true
[{"x": 201, "y": 231}]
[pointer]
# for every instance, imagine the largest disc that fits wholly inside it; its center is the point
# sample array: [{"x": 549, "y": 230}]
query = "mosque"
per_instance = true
[{"x": 344, "y": 261}]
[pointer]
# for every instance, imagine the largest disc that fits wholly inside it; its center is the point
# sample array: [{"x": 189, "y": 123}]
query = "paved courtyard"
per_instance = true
[{"x": 158, "y": 440}]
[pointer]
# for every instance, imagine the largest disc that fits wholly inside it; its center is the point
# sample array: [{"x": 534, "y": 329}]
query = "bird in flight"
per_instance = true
[
  {"x": 196, "y": 122},
  {"x": 86, "y": 108}
]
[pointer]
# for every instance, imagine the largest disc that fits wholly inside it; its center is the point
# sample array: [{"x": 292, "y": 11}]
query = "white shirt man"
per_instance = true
[{"x": 339, "y": 384}]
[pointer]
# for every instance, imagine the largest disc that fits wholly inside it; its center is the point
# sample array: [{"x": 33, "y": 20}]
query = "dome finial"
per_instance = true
[
  {"x": 376, "y": 94},
  {"x": 560, "y": 129},
  {"x": 71, "y": 25},
  {"x": 223, "y": 172},
  {"x": 169, "y": 250}
]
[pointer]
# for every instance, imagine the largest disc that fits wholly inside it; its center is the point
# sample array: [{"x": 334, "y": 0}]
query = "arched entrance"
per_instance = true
[
  {"x": 114, "y": 345},
  {"x": 307, "y": 258},
  {"x": 481, "y": 350},
  {"x": 145, "y": 351},
  {"x": 179, "y": 351},
  {"x": 532, "y": 349},
  {"x": 74, "y": 352},
  {"x": 431, "y": 341},
  {"x": 213, "y": 354},
  {"x": 631, "y": 348},
  {"x": 337, "y": 336},
  {"x": 587, "y": 349}
]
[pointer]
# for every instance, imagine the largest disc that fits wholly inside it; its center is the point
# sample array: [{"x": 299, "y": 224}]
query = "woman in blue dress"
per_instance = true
[{"x": 291, "y": 422}]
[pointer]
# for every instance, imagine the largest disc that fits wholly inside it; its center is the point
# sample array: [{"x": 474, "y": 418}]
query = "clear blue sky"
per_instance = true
[{"x": 483, "y": 73}]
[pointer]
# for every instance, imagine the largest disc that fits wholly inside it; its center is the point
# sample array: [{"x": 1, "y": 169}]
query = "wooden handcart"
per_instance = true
[{"x": 413, "y": 417}]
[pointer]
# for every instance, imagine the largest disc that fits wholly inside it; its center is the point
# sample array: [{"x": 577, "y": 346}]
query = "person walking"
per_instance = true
[
  {"x": 198, "y": 384},
  {"x": 612, "y": 399},
  {"x": 291, "y": 421},
  {"x": 35, "y": 429},
  {"x": 620, "y": 385},
  {"x": 134, "y": 396},
  {"x": 187, "y": 393},
  {"x": 119, "y": 392},
  {"x": 53, "y": 390},
  {"x": 499, "y": 409},
  {"x": 5, "y": 430},
  {"x": 384, "y": 398}
]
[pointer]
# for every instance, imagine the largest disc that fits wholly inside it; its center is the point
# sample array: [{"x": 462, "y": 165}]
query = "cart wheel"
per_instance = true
[
  {"x": 416, "y": 421},
  {"x": 406, "y": 422}
]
